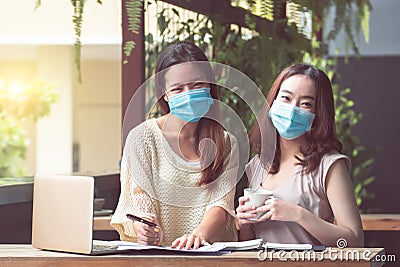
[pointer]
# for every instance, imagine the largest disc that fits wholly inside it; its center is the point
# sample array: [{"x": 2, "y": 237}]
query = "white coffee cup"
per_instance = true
[{"x": 257, "y": 198}]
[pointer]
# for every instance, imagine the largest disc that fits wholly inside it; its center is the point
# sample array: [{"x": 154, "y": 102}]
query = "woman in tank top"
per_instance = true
[{"x": 309, "y": 177}]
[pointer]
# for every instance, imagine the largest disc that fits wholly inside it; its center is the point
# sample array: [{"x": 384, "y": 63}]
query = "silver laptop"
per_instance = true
[{"x": 62, "y": 218}]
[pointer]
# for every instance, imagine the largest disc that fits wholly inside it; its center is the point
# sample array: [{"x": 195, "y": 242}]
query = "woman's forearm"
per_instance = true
[
  {"x": 212, "y": 222},
  {"x": 328, "y": 233}
]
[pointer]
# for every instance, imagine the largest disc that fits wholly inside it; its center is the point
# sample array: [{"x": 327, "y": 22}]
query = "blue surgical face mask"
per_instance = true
[
  {"x": 289, "y": 120},
  {"x": 191, "y": 105}
]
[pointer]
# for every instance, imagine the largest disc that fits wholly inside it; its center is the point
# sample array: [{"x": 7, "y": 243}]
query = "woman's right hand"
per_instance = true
[
  {"x": 244, "y": 212},
  {"x": 148, "y": 235}
]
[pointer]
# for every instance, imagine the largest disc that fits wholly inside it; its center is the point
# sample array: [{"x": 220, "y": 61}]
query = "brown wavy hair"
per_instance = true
[
  {"x": 322, "y": 138},
  {"x": 183, "y": 52}
]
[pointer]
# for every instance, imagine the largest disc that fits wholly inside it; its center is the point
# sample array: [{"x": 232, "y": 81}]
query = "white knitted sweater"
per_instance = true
[{"x": 157, "y": 182}]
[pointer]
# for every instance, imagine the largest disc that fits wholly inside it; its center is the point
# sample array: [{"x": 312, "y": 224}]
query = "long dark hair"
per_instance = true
[
  {"x": 183, "y": 52},
  {"x": 322, "y": 137}
]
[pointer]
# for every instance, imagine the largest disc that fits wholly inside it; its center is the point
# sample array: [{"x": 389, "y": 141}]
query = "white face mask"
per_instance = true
[
  {"x": 290, "y": 121},
  {"x": 191, "y": 105}
]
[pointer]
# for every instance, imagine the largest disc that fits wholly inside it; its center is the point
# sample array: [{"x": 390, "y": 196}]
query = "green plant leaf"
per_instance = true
[
  {"x": 368, "y": 181},
  {"x": 38, "y": 4},
  {"x": 365, "y": 18}
]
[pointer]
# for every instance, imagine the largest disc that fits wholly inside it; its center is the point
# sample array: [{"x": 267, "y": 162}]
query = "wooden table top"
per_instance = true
[
  {"x": 25, "y": 255},
  {"x": 381, "y": 222}
]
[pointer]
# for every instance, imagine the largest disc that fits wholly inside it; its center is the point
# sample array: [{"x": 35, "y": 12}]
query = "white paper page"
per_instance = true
[
  {"x": 287, "y": 246},
  {"x": 240, "y": 245},
  {"x": 123, "y": 245},
  {"x": 255, "y": 243}
]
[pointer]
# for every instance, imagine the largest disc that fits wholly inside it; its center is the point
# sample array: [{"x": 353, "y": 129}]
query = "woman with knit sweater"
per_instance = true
[{"x": 179, "y": 171}]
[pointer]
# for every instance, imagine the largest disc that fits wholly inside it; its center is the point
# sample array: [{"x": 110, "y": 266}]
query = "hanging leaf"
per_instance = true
[
  {"x": 134, "y": 10},
  {"x": 365, "y": 18},
  {"x": 77, "y": 19},
  {"x": 38, "y": 3},
  {"x": 162, "y": 22},
  {"x": 128, "y": 47}
]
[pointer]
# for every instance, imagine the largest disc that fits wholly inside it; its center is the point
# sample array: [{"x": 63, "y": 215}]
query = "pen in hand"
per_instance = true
[{"x": 138, "y": 219}]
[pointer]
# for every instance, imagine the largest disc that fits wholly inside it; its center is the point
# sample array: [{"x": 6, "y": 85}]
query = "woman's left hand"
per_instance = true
[
  {"x": 189, "y": 241},
  {"x": 279, "y": 210}
]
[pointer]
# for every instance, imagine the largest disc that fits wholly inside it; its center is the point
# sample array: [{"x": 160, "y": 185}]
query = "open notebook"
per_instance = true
[{"x": 256, "y": 244}]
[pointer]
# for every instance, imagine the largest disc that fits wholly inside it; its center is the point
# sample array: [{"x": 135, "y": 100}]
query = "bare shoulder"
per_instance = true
[{"x": 338, "y": 176}]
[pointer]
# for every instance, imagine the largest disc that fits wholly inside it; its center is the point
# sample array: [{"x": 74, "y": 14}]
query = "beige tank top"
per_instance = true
[{"x": 305, "y": 190}]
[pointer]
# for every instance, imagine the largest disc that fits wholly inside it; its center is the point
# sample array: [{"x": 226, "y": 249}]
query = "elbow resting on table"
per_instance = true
[{"x": 353, "y": 239}]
